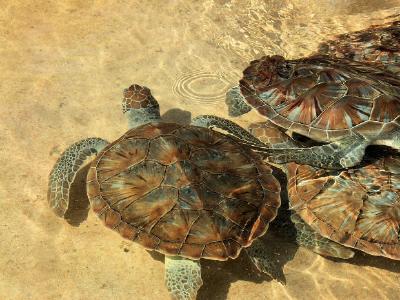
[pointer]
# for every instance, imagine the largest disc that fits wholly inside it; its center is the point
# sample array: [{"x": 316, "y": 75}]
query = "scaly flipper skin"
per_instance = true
[
  {"x": 209, "y": 121},
  {"x": 309, "y": 238},
  {"x": 261, "y": 257},
  {"x": 342, "y": 154},
  {"x": 182, "y": 277},
  {"x": 236, "y": 103},
  {"x": 65, "y": 170}
]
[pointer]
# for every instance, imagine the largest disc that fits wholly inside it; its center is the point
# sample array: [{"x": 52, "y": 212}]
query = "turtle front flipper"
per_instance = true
[
  {"x": 264, "y": 259},
  {"x": 209, "y": 121},
  {"x": 237, "y": 106},
  {"x": 182, "y": 277},
  {"x": 344, "y": 153},
  {"x": 65, "y": 170},
  {"x": 309, "y": 238}
]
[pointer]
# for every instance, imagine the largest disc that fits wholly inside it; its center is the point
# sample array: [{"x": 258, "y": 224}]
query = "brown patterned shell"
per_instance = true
[
  {"x": 323, "y": 98},
  {"x": 269, "y": 134},
  {"x": 183, "y": 190},
  {"x": 379, "y": 44},
  {"x": 359, "y": 208}
]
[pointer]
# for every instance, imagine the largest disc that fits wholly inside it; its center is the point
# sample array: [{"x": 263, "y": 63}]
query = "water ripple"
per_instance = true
[{"x": 202, "y": 87}]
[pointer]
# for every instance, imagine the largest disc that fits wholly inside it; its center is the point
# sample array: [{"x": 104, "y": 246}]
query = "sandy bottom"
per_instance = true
[{"x": 64, "y": 66}]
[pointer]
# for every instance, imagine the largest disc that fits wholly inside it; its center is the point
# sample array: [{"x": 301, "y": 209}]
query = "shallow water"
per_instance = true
[{"x": 64, "y": 66}]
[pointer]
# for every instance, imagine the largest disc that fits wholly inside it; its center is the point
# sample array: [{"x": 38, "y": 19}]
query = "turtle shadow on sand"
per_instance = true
[
  {"x": 218, "y": 275},
  {"x": 79, "y": 205},
  {"x": 176, "y": 115}
]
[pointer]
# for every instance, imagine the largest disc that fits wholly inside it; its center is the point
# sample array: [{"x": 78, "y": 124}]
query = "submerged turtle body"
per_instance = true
[
  {"x": 358, "y": 208},
  {"x": 378, "y": 44},
  {"x": 183, "y": 190}
]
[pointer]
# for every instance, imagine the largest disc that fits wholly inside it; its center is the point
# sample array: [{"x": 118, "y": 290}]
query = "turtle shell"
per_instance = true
[
  {"x": 359, "y": 208},
  {"x": 379, "y": 44},
  {"x": 183, "y": 190},
  {"x": 269, "y": 134},
  {"x": 323, "y": 98}
]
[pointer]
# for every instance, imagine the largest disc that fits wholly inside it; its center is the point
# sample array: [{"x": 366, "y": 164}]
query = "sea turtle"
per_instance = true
[
  {"x": 185, "y": 191},
  {"x": 336, "y": 210},
  {"x": 378, "y": 44},
  {"x": 358, "y": 207},
  {"x": 345, "y": 105}
]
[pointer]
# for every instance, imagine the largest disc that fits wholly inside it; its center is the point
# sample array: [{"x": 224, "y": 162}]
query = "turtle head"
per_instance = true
[
  {"x": 267, "y": 70},
  {"x": 140, "y": 106}
]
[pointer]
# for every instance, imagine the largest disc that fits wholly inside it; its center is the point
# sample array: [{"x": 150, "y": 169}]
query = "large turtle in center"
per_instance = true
[
  {"x": 346, "y": 105},
  {"x": 182, "y": 190}
]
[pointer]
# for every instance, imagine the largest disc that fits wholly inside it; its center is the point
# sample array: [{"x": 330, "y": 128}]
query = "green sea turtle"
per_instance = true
[
  {"x": 185, "y": 191},
  {"x": 345, "y": 105},
  {"x": 335, "y": 211}
]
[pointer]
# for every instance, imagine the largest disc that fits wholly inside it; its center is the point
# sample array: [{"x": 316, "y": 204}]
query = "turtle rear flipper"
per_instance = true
[
  {"x": 311, "y": 239},
  {"x": 65, "y": 170},
  {"x": 264, "y": 259},
  {"x": 182, "y": 277}
]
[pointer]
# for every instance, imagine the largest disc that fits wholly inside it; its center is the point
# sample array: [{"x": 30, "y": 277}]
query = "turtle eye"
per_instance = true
[{"x": 284, "y": 70}]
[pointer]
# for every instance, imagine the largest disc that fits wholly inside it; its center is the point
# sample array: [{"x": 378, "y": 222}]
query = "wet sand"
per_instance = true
[{"x": 64, "y": 66}]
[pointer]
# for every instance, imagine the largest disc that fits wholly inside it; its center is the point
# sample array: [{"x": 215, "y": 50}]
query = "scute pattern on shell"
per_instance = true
[
  {"x": 358, "y": 207},
  {"x": 183, "y": 190},
  {"x": 269, "y": 134},
  {"x": 320, "y": 97}
]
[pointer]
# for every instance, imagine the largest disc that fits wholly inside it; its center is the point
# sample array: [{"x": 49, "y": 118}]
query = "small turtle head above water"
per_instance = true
[
  {"x": 140, "y": 106},
  {"x": 267, "y": 70}
]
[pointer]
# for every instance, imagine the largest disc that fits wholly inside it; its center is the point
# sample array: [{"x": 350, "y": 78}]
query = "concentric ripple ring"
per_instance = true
[{"x": 185, "y": 88}]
